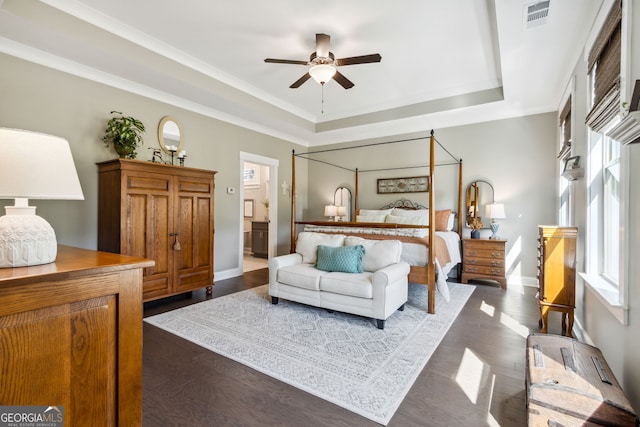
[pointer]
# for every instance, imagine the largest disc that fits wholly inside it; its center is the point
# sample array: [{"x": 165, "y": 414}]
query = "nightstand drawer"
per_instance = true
[
  {"x": 489, "y": 262},
  {"x": 484, "y": 253},
  {"x": 483, "y": 269},
  {"x": 484, "y": 245}
]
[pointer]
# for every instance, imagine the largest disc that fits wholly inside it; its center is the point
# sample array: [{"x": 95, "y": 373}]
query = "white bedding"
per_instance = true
[{"x": 414, "y": 254}]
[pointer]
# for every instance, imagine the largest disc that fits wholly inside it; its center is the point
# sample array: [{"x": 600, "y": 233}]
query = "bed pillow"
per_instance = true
[
  {"x": 415, "y": 220},
  {"x": 451, "y": 221},
  {"x": 374, "y": 211},
  {"x": 378, "y": 253},
  {"x": 370, "y": 218},
  {"x": 345, "y": 259},
  {"x": 410, "y": 212},
  {"x": 413, "y": 213},
  {"x": 442, "y": 219},
  {"x": 308, "y": 242}
]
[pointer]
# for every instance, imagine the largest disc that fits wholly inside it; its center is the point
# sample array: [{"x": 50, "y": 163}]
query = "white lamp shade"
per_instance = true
[
  {"x": 341, "y": 210},
  {"x": 322, "y": 73},
  {"x": 494, "y": 210},
  {"x": 32, "y": 166},
  {"x": 37, "y": 166},
  {"x": 330, "y": 210}
]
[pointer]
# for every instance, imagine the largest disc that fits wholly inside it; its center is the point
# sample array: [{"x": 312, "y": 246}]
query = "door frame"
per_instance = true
[{"x": 273, "y": 201}]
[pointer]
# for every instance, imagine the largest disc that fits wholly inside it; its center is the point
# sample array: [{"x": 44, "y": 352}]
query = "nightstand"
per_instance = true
[{"x": 484, "y": 259}]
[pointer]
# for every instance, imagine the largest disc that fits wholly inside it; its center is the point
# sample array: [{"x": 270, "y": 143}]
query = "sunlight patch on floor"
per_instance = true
[
  {"x": 487, "y": 309},
  {"x": 514, "y": 325},
  {"x": 491, "y": 421},
  {"x": 469, "y": 375}
]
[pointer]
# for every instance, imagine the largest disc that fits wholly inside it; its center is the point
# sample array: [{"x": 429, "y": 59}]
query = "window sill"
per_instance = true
[{"x": 608, "y": 295}]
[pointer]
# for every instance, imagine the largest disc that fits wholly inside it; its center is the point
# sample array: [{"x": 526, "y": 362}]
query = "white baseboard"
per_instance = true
[
  {"x": 522, "y": 281},
  {"x": 228, "y": 274}
]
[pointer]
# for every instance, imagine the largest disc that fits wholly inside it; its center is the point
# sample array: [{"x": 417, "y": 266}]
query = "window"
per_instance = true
[
  {"x": 604, "y": 208},
  {"x": 605, "y": 256},
  {"x": 564, "y": 213},
  {"x": 611, "y": 212},
  {"x": 604, "y": 246}
]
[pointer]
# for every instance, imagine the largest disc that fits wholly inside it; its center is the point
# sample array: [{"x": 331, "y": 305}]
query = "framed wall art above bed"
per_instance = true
[{"x": 412, "y": 184}]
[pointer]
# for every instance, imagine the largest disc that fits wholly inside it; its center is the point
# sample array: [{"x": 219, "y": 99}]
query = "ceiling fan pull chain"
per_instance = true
[{"x": 322, "y": 102}]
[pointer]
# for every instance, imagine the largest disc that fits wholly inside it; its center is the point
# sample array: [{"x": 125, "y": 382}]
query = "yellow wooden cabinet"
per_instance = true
[{"x": 557, "y": 274}]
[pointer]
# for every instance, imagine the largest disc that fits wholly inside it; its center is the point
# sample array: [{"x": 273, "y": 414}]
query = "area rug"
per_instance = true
[{"x": 338, "y": 357}]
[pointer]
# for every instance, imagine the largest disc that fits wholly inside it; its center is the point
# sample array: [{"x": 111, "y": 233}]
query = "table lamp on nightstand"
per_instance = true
[
  {"x": 32, "y": 166},
  {"x": 494, "y": 211},
  {"x": 331, "y": 211}
]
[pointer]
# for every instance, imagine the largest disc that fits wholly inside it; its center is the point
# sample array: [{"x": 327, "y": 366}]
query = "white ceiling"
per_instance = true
[{"x": 444, "y": 63}]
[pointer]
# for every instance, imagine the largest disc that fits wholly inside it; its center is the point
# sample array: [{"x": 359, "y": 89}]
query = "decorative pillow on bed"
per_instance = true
[
  {"x": 414, "y": 220},
  {"x": 370, "y": 218},
  {"x": 451, "y": 221},
  {"x": 442, "y": 219},
  {"x": 346, "y": 259},
  {"x": 374, "y": 211},
  {"x": 378, "y": 253},
  {"x": 308, "y": 242},
  {"x": 423, "y": 214},
  {"x": 410, "y": 212}
]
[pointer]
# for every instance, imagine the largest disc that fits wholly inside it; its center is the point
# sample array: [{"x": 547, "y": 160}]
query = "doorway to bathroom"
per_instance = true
[{"x": 258, "y": 210}]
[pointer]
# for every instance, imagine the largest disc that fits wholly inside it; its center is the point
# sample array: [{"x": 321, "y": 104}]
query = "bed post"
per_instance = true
[
  {"x": 431, "y": 265},
  {"x": 461, "y": 213},
  {"x": 355, "y": 205},
  {"x": 293, "y": 202}
]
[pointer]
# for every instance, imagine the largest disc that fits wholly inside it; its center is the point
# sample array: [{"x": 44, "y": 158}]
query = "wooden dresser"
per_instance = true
[
  {"x": 569, "y": 383},
  {"x": 557, "y": 274},
  {"x": 71, "y": 336},
  {"x": 484, "y": 259},
  {"x": 160, "y": 212}
]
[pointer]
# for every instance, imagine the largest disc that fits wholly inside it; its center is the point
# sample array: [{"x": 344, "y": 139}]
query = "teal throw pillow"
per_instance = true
[{"x": 346, "y": 259}]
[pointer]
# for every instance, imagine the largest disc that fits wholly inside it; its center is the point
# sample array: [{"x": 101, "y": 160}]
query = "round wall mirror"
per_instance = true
[
  {"x": 170, "y": 134},
  {"x": 479, "y": 195}
]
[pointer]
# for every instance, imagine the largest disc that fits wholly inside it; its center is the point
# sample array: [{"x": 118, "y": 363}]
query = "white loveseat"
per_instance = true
[{"x": 377, "y": 292}]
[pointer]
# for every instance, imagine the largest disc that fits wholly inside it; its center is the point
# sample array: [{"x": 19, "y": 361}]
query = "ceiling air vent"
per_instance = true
[{"x": 535, "y": 14}]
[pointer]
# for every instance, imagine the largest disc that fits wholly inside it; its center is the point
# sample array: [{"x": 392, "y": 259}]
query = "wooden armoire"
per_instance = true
[
  {"x": 160, "y": 212},
  {"x": 557, "y": 273}
]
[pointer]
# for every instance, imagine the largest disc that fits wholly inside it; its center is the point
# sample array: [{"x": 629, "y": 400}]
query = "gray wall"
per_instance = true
[
  {"x": 517, "y": 156},
  {"x": 40, "y": 99}
]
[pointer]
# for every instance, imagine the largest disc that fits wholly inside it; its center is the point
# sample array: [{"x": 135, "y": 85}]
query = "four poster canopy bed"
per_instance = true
[{"x": 409, "y": 222}]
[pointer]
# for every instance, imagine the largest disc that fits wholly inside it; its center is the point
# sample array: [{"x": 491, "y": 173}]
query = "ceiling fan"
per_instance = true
[{"x": 323, "y": 64}]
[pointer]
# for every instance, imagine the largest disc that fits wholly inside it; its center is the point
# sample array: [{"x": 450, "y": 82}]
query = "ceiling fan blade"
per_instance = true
[
  {"x": 342, "y": 80},
  {"x": 286, "y": 61},
  {"x": 301, "y": 80},
  {"x": 322, "y": 45},
  {"x": 364, "y": 59}
]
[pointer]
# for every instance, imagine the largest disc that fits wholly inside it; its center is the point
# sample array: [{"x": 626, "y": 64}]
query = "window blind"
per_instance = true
[
  {"x": 565, "y": 124},
  {"x": 604, "y": 67}
]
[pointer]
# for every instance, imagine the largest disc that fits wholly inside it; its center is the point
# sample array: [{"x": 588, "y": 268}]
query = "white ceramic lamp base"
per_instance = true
[{"x": 25, "y": 238}]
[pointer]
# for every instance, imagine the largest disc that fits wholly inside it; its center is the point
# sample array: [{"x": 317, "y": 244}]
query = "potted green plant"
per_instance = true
[{"x": 125, "y": 133}]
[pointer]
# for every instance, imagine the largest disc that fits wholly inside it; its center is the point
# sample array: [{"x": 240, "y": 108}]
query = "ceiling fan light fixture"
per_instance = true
[{"x": 322, "y": 73}]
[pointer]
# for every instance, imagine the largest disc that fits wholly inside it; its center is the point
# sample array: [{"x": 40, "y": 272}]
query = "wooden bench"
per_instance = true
[{"x": 570, "y": 384}]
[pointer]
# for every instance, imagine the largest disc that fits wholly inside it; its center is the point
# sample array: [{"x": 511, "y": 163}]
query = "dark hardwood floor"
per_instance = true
[{"x": 476, "y": 376}]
